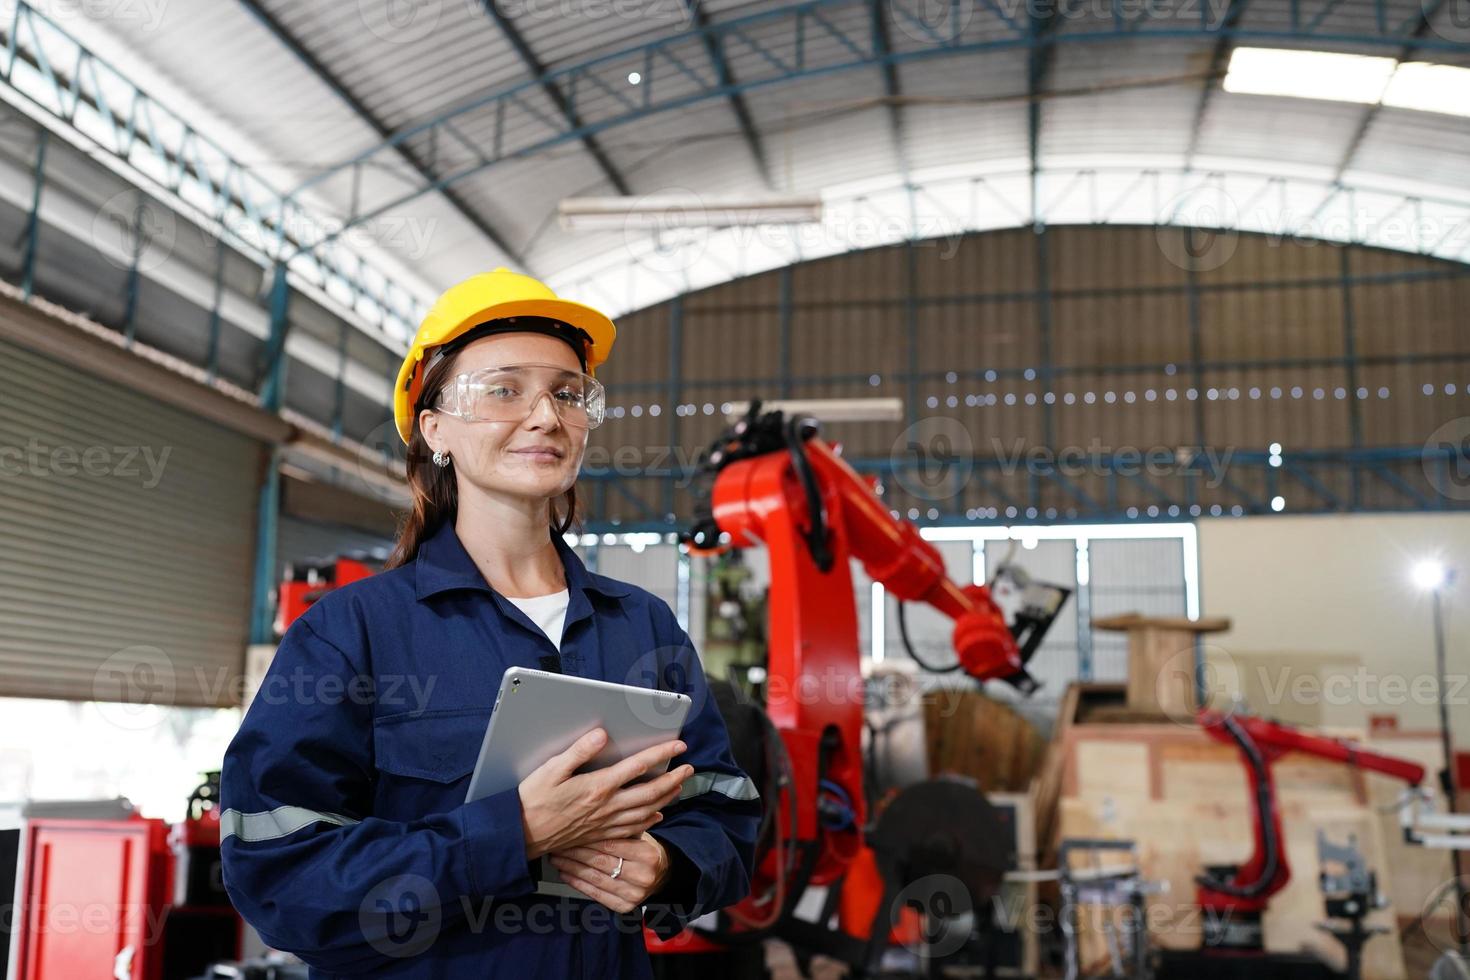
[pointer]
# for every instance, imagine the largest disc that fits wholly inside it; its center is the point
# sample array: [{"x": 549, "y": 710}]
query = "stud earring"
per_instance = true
[{"x": 441, "y": 458}]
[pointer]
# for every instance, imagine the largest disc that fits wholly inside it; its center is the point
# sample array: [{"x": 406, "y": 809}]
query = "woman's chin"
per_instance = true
[{"x": 546, "y": 483}]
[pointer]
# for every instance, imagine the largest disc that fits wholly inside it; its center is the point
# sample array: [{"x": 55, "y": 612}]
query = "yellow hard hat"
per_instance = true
[{"x": 495, "y": 295}]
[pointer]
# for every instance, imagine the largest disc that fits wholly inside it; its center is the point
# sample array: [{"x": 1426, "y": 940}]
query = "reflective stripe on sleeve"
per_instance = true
[
  {"x": 735, "y": 787},
  {"x": 280, "y": 822}
]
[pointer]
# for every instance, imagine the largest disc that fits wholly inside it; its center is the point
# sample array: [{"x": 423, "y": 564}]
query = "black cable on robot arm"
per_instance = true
[
  {"x": 816, "y": 513},
  {"x": 903, "y": 632},
  {"x": 1263, "y": 807}
]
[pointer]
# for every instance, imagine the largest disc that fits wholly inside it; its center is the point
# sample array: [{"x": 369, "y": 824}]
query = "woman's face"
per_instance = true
[{"x": 536, "y": 458}]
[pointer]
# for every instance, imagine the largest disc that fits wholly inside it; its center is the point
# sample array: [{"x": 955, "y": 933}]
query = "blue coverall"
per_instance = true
[{"x": 345, "y": 836}]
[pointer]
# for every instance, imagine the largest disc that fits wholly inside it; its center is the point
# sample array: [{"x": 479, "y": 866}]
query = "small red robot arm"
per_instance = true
[{"x": 1261, "y": 743}]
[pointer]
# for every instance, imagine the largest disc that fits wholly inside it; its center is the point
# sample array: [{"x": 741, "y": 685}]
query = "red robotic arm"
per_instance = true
[
  {"x": 1261, "y": 743},
  {"x": 774, "y": 483}
]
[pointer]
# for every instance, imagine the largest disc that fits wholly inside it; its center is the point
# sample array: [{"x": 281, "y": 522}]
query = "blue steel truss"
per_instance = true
[
  {"x": 1304, "y": 480},
  {"x": 51, "y": 71},
  {"x": 675, "y": 72}
]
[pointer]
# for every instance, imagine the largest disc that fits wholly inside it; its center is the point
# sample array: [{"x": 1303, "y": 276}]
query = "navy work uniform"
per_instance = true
[{"x": 346, "y": 838}]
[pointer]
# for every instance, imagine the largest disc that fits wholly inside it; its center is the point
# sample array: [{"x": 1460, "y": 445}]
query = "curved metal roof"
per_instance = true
[{"x": 443, "y": 133}]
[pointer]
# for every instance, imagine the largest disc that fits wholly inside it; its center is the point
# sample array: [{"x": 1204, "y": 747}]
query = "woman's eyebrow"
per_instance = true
[{"x": 521, "y": 368}]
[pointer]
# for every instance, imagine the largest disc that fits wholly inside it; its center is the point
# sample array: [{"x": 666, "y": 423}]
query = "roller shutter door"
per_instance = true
[{"x": 126, "y": 542}]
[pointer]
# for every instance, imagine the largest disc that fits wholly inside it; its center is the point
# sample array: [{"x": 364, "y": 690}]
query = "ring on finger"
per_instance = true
[{"x": 616, "y": 871}]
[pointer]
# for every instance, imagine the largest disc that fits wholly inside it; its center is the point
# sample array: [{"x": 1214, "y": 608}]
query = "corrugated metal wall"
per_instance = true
[
  {"x": 1142, "y": 576},
  {"x": 1122, "y": 332},
  {"x": 1134, "y": 350},
  {"x": 126, "y": 544}
]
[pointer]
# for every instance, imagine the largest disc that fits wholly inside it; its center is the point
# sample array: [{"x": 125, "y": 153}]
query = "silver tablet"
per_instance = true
[{"x": 538, "y": 715}]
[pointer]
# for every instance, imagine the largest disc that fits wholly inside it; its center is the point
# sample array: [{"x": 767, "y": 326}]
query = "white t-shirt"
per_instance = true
[{"x": 549, "y": 612}]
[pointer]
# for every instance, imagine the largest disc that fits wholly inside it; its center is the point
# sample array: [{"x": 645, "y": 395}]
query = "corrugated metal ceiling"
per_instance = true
[{"x": 1134, "y": 101}]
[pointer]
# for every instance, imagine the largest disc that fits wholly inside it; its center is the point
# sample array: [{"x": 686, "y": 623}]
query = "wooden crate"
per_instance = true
[
  {"x": 971, "y": 735},
  {"x": 1078, "y": 702}
]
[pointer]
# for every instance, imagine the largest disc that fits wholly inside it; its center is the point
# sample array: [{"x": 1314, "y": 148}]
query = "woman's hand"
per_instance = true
[
  {"x": 562, "y": 810},
  {"x": 588, "y": 869}
]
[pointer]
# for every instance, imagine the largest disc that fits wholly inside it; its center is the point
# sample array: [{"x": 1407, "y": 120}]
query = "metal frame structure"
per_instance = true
[
  {"x": 1306, "y": 475},
  {"x": 1305, "y": 478},
  {"x": 53, "y": 73},
  {"x": 283, "y": 34},
  {"x": 596, "y": 102},
  {"x": 61, "y": 82},
  {"x": 49, "y": 73},
  {"x": 1220, "y": 202}
]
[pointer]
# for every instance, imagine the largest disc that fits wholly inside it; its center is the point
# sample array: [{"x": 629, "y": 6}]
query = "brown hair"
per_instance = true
[{"x": 435, "y": 494}]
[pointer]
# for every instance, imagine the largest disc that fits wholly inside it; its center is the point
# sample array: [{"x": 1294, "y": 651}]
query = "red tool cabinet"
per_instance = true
[{"x": 96, "y": 895}]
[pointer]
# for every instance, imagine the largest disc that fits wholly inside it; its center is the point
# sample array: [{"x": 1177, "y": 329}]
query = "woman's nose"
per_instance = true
[{"x": 543, "y": 412}]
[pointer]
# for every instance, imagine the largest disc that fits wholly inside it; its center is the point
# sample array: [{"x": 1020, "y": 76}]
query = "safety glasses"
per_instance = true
[{"x": 510, "y": 392}]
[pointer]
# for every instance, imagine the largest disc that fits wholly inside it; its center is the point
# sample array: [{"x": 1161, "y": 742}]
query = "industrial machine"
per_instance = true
[
  {"x": 306, "y": 582},
  {"x": 1233, "y": 899},
  {"x": 105, "y": 892},
  {"x": 932, "y": 851},
  {"x": 1088, "y": 878},
  {"x": 1350, "y": 890}
]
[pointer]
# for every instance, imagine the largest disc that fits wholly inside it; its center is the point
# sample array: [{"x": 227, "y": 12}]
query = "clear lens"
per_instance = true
[{"x": 511, "y": 392}]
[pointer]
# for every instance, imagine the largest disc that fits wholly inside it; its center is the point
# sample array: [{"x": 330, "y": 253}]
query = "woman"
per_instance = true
[{"x": 346, "y": 838}]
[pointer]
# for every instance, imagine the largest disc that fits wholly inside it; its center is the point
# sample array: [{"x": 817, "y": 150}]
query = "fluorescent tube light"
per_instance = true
[
  {"x": 1308, "y": 74},
  {"x": 1430, "y": 88},
  {"x": 829, "y": 409},
  {"x": 661, "y": 212}
]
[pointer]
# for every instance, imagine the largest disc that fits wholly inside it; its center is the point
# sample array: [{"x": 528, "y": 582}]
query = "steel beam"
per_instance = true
[
  {"x": 33, "y": 220},
  {"x": 854, "y": 51},
  {"x": 1308, "y": 470},
  {"x": 554, "y": 93},
  {"x": 267, "y": 524},
  {"x": 892, "y": 91},
  {"x": 273, "y": 361},
  {"x": 1428, "y": 10},
  {"x": 726, "y": 78},
  {"x": 1041, "y": 28},
  {"x": 289, "y": 41},
  {"x": 1214, "y": 73}
]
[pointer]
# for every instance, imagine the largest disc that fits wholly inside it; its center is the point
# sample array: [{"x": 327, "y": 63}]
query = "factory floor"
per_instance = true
[
  {"x": 1421, "y": 951},
  {"x": 783, "y": 965}
]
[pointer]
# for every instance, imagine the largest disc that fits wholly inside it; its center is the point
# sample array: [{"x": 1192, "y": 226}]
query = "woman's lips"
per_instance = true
[{"x": 539, "y": 455}]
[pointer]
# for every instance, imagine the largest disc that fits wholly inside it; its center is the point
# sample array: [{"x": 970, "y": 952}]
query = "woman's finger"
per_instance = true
[
  {"x": 628, "y": 848},
  {"x": 637, "y": 869},
  {"x": 625, "y": 891},
  {"x": 638, "y": 763},
  {"x": 593, "y": 858},
  {"x": 656, "y": 793},
  {"x": 601, "y": 897},
  {"x": 647, "y": 816},
  {"x": 631, "y": 830}
]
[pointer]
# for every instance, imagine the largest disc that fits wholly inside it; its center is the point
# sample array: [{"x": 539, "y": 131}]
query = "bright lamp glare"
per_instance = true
[
  {"x": 1308, "y": 74},
  {"x": 1429, "y": 574},
  {"x": 1417, "y": 85},
  {"x": 1430, "y": 88}
]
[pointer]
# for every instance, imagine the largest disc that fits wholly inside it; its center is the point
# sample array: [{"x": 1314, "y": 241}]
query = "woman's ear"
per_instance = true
[{"x": 429, "y": 426}]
